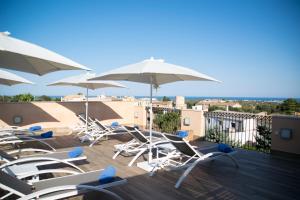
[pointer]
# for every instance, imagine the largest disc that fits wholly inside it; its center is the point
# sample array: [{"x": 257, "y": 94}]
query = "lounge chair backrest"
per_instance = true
[
  {"x": 14, "y": 184},
  {"x": 91, "y": 120},
  {"x": 137, "y": 134},
  {"x": 181, "y": 145},
  {"x": 81, "y": 118},
  {"x": 6, "y": 156},
  {"x": 99, "y": 124}
]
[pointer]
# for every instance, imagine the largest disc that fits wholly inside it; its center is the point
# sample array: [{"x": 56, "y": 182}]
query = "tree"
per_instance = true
[
  {"x": 213, "y": 134},
  {"x": 263, "y": 139},
  {"x": 168, "y": 122},
  {"x": 267, "y": 107},
  {"x": 22, "y": 98},
  {"x": 5, "y": 98},
  {"x": 289, "y": 106},
  {"x": 213, "y": 108},
  {"x": 216, "y": 134},
  {"x": 56, "y": 99},
  {"x": 166, "y": 98},
  {"x": 191, "y": 103},
  {"x": 235, "y": 109},
  {"x": 44, "y": 98}
]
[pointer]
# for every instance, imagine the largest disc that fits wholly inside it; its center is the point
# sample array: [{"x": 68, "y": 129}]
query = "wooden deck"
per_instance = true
[{"x": 260, "y": 176}]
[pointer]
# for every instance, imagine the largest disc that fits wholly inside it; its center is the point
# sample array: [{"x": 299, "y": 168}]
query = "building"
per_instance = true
[
  {"x": 163, "y": 104},
  {"x": 205, "y": 104},
  {"x": 180, "y": 102},
  {"x": 80, "y": 97},
  {"x": 238, "y": 127},
  {"x": 73, "y": 97},
  {"x": 198, "y": 107}
]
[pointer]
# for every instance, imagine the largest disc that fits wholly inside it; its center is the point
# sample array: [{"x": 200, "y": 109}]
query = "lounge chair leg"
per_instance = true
[
  {"x": 233, "y": 160},
  {"x": 97, "y": 139},
  {"x": 116, "y": 154},
  {"x": 158, "y": 166},
  {"x": 136, "y": 157},
  {"x": 7, "y": 195},
  {"x": 187, "y": 171},
  {"x": 106, "y": 192}
]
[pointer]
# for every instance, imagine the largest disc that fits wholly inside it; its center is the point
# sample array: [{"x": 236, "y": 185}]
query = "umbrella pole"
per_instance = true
[
  {"x": 151, "y": 119},
  {"x": 86, "y": 110}
]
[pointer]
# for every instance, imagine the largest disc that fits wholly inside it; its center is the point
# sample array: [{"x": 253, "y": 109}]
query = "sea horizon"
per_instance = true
[{"x": 233, "y": 98}]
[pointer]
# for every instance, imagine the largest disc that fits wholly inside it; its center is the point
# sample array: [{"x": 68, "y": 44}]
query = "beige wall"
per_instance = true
[
  {"x": 140, "y": 116},
  {"x": 63, "y": 114},
  {"x": 289, "y": 122},
  {"x": 197, "y": 123}
]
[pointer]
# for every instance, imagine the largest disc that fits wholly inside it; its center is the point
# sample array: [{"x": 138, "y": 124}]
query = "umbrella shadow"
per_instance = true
[
  {"x": 97, "y": 110},
  {"x": 24, "y": 113}
]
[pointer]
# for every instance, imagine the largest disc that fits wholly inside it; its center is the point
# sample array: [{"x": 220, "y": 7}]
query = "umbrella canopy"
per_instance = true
[
  {"x": 82, "y": 81},
  {"x": 23, "y": 56},
  {"x": 7, "y": 78},
  {"x": 154, "y": 72}
]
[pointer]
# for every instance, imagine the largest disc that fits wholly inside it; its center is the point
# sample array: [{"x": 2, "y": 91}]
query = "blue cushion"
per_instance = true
[
  {"x": 224, "y": 148},
  {"x": 115, "y": 124},
  {"x": 182, "y": 134},
  {"x": 35, "y": 128},
  {"x": 75, "y": 152},
  {"x": 48, "y": 134},
  {"x": 107, "y": 175}
]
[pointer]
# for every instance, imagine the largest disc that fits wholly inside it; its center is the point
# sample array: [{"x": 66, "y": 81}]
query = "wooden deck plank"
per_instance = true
[{"x": 260, "y": 176}]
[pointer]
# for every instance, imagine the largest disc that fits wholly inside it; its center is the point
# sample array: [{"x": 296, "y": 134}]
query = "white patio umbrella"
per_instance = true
[
  {"x": 7, "y": 78},
  {"x": 154, "y": 72},
  {"x": 82, "y": 81},
  {"x": 23, "y": 56}
]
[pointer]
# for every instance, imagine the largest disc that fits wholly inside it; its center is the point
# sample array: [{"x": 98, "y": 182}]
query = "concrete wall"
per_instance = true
[
  {"x": 140, "y": 116},
  {"x": 288, "y": 122},
  {"x": 197, "y": 123},
  {"x": 63, "y": 114}
]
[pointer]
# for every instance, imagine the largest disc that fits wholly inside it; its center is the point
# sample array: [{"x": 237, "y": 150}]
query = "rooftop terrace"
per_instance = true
[{"x": 260, "y": 176}]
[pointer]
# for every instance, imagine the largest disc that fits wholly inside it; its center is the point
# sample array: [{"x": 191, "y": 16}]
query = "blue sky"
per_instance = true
[{"x": 252, "y": 46}]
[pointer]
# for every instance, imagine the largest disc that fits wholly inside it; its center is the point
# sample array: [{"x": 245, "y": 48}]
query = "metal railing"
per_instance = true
[
  {"x": 168, "y": 124},
  {"x": 241, "y": 130}
]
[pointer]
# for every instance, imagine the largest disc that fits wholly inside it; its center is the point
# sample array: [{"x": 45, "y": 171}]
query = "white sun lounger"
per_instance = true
[
  {"x": 15, "y": 139},
  {"x": 193, "y": 156},
  {"x": 58, "y": 188},
  {"x": 138, "y": 145},
  {"x": 82, "y": 126},
  {"x": 105, "y": 131},
  {"x": 25, "y": 166}
]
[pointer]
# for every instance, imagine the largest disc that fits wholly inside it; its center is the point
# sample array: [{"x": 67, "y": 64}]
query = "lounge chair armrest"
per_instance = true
[
  {"x": 66, "y": 188},
  {"x": 47, "y": 171},
  {"x": 28, "y": 150},
  {"x": 160, "y": 142},
  {"x": 34, "y": 139},
  {"x": 8, "y": 138},
  {"x": 39, "y": 159}
]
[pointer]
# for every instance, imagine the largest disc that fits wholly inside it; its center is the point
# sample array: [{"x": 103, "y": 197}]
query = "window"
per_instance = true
[
  {"x": 240, "y": 126},
  {"x": 233, "y": 124},
  {"x": 208, "y": 121},
  {"x": 220, "y": 123}
]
